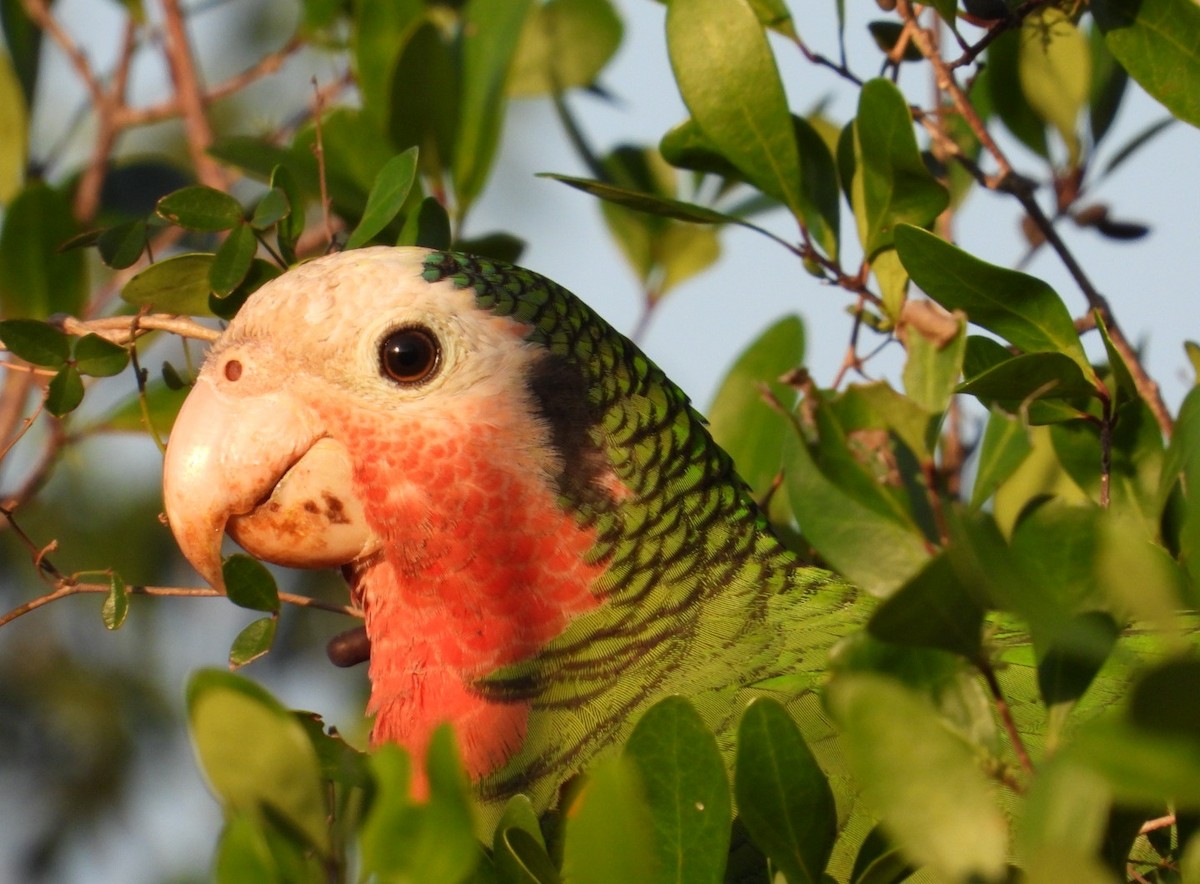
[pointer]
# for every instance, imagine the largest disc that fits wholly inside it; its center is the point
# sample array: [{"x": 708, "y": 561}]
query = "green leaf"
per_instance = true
[
  {"x": 686, "y": 791},
  {"x": 877, "y": 551},
  {"x": 116, "y": 603},
  {"x": 646, "y": 202},
  {"x": 1159, "y": 701},
  {"x": 14, "y": 132},
  {"x": 820, "y": 203},
  {"x": 1134, "y": 460},
  {"x": 491, "y": 30},
  {"x": 243, "y": 853},
  {"x": 232, "y": 261},
  {"x": 65, "y": 391},
  {"x": 36, "y": 342},
  {"x": 730, "y": 84},
  {"x": 932, "y": 369},
  {"x": 1109, "y": 80},
  {"x": 520, "y": 859},
  {"x": 176, "y": 285},
  {"x": 253, "y": 642},
  {"x": 404, "y": 841},
  {"x": 783, "y": 797},
  {"x": 123, "y": 245},
  {"x": 934, "y": 609},
  {"x": 23, "y": 38},
  {"x": 271, "y": 209},
  {"x": 682, "y": 251},
  {"x": 739, "y": 418},
  {"x": 1019, "y": 308},
  {"x": 255, "y": 754},
  {"x": 292, "y": 224},
  {"x": 1067, "y": 807},
  {"x": 425, "y": 116},
  {"x": 1054, "y": 67},
  {"x": 249, "y": 584},
  {"x": 259, "y": 274},
  {"x": 1031, "y": 376},
  {"x": 36, "y": 279},
  {"x": 1158, "y": 42},
  {"x": 955, "y": 692},
  {"x": 200, "y": 208},
  {"x": 380, "y": 34},
  {"x": 387, "y": 197},
  {"x": 891, "y": 182},
  {"x": 1008, "y": 99},
  {"x": 1142, "y": 767},
  {"x": 922, "y": 779},
  {"x": 608, "y": 828},
  {"x": 1123, "y": 387},
  {"x": 564, "y": 45},
  {"x": 1136, "y": 143},
  {"x": 518, "y": 848},
  {"x": 497, "y": 246},
  {"x": 1004, "y": 447},
  {"x": 428, "y": 226},
  {"x": 886, "y": 35},
  {"x": 100, "y": 357},
  {"x": 687, "y": 147},
  {"x": 879, "y": 861}
]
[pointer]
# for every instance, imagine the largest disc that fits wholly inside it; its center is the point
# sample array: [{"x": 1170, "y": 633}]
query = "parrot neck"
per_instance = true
[{"x": 480, "y": 568}]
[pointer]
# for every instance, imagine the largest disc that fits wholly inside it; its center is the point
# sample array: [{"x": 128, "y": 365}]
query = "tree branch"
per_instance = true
[
  {"x": 126, "y": 329},
  {"x": 189, "y": 92},
  {"x": 65, "y": 589}
]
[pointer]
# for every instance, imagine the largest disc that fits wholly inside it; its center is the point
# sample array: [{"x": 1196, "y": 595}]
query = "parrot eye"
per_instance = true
[{"x": 410, "y": 355}]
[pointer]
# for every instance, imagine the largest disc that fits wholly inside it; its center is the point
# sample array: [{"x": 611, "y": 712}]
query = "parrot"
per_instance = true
[{"x": 541, "y": 533}]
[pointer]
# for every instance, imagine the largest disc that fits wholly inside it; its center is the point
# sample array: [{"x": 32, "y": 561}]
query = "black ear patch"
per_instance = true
[{"x": 562, "y": 399}]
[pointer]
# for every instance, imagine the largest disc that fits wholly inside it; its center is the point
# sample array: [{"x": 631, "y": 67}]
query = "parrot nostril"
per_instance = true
[{"x": 233, "y": 370}]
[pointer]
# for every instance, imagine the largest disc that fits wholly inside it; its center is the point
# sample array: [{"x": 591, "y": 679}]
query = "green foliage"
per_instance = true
[{"x": 1022, "y": 697}]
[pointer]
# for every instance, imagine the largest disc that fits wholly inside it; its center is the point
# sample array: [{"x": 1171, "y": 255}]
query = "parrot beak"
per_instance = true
[{"x": 258, "y": 467}]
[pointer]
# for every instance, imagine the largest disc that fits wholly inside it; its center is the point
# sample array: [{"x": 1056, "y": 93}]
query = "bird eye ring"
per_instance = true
[{"x": 410, "y": 356}]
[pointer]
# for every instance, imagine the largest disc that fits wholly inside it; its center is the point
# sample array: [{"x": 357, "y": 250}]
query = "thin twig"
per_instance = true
[
  {"x": 163, "y": 110},
  {"x": 39, "y": 12},
  {"x": 1162, "y": 822},
  {"x": 91, "y": 183},
  {"x": 65, "y": 589},
  {"x": 925, "y": 42},
  {"x": 1146, "y": 386},
  {"x": 1007, "y": 181},
  {"x": 1005, "y": 713},
  {"x": 319, "y": 151}
]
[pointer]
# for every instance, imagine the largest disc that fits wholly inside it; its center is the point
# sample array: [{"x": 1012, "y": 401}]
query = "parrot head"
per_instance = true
[{"x": 368, "y": 411}]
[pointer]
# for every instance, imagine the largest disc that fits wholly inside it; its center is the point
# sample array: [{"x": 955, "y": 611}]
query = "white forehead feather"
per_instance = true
[
  {"x": 339, "y": 287},
  {"x": 326, "y": 319}
]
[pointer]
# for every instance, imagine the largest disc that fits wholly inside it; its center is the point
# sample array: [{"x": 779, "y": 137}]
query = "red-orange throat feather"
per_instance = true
[{"x": 480, "y": 568}]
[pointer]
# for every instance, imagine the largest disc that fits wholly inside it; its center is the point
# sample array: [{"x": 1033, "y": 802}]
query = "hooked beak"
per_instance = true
[{"x": 261, "y": 468}]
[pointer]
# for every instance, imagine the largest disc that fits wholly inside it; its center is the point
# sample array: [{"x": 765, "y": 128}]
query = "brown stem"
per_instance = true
[
  {"x": 1006, "y": 716},
  {"x": 319, "y": 151},
  {"x": 1007, "y": 181},
  {"x": 65, "y": 589},
  {"x": 189, "y": 93},
  {"x": 1147, "y": 388},
  {"x": 1162, "y": 822},
  {"x": 87, "y": 195},
  {"x": 925, "y": 42},
  {"x": 126, "y": 329}
]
